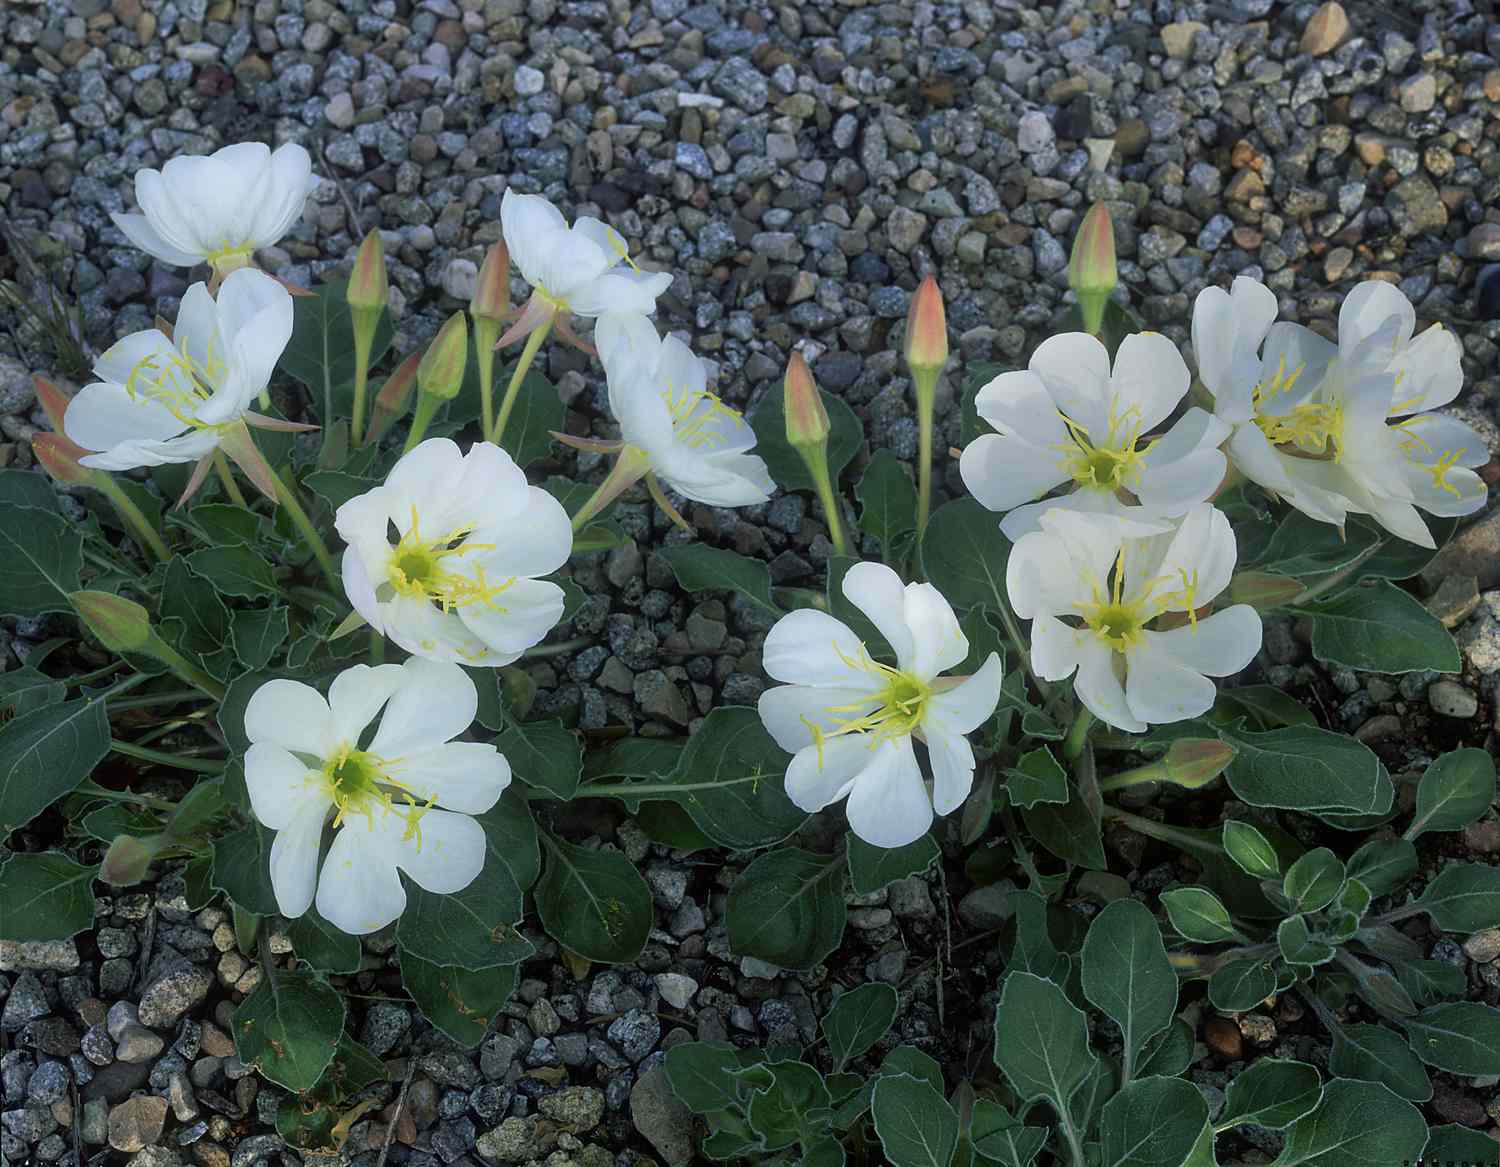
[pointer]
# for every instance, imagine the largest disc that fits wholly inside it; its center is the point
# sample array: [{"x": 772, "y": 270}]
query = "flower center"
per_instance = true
[
  {"x": 1310, "y": 429},
  {"x": 699, "y": 418},
  {"x": 361, "y": 783},
  {"x": 177, "y": 382},
  {"x": 1119, "y": 620},
  {"x": 1112, "y": 463},
  {"x": 894, "y": 711},
  {"x": 432, "y": 568}
]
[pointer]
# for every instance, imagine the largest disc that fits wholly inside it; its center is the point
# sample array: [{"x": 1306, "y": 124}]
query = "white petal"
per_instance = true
[
  {"x": 1402, "y": 519},
  {"x": 1462, "y": 491},
  {"x": 360, "y": 591},
  {"x": 279, "y": 783},
  {"x": 937, "y": 641},
  {"x": 889, "y": 805},
  {"x": 969, "y": 704},
  {"x": 878, "y": 592},
  {"x": 1294, "y": 366},
  {"x": 1371, "y": 306},
  {"x": 358, "y": 694},
  {"x": 445, "y": 856},
  {"x": 1038, "y": 566},
  {"x": 1197, "y": 429},
  {"x": 423, "y": 630},
  {"x": 1150, "y": 378},
  {"x": 721, "y": 480},
  {"x": 1228, "y": 328},
  {"x": 1429, "y": 436},
  {"x": 627, "y": 336},
  {"x": 1429, "y": 370},
  {"x": 952, "y": 760},
  {"x": 1004, "y": 472},
  {"x": 529, "y": 223},
  {"x": 1170, "y": 488},
  {"x": 491, "y": 482},
  {"x": 289, "y": 181},
  {"x": 359, "y": 891},
  {"x": 808, "y": 647},
  {"x": 537, "y": 542},
  {"x": 1075, "y": 369},
  {"x": 1098, "y": 687},
  {"x": 1017, "y": 404},
  {"x": 255, "y": 319},
  {"x": 425, "y": 482},
  {"x": 294, "y": 858},
  {"x": 1201, "y": 553},
  {"x": 190, "y": 447},
  {"x": 527, "y": 610},
  {"x": 293, "y": 716},
  {"x": 569, "y": 267},
  {"x": 636, "y": 400},
  {"x": 140, "y": 232},
  {"x": 1055, "y": 647},
  {"x": 620, "y": 291},
  {"x": 102, "y": 416},
  {"x": 431, "y": 703},
  {"x": 1218, "y": 646},
  {"x": 461, "y": 776},
  {"x": 820, "y": 777},
  {"x": 787, "y": 710},
  {"x": 1160, "y": 688}
]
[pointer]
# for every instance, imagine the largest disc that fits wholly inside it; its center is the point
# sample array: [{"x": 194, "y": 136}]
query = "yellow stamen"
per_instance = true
[
  {"x": 178, "y": 382},
  {"x": 894, "y": 711},
  {"x": 1111, "y": 464},
  {"x": 1439, "y": 471},
  {"x": 362, "y": 783},
  {"x": 1119, "y": 619},
  {"x": 690, "y": 425},
  {"x": 417, "y": 568}
]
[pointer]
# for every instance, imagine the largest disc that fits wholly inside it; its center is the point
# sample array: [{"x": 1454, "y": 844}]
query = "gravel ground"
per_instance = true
[{"x": 798, "y": 167}]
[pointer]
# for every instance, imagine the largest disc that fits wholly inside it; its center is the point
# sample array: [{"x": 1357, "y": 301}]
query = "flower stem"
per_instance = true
[
  {"x": 1151, "y": 772},
  {"x": 823, "y": 482},
  {"x": 94, "y": 790},
  {"x": 1332, "y": 581},
  {"x": 926, "y": 386},
  {"x": 364, "y": 338},
  {"x": 1160, "y": 831},
  {"x": 508, "y": 402},
  {"x": 226, "y": 479},
  {"x": 486, "y": 332},
  {"x": 199, "y": 765},
  {"x": 427, "y": 406},
  {"x": 628, "y": 469},
  {"x": 185, "y": 668},
  {"x": 1078, "y": 733},
  {"x": 133, "y": 517},
  {"x": 288, "y": 498}
]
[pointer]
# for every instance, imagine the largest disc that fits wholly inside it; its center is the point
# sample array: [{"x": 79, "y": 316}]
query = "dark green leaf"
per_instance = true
[
  {"x": 1038, "y": 777},
  {"x": 45, "y": 896},
  {"x": 46, "y": 753},
  {"x": 1357, "y": 1124},
  {"x": 1152, "y": 1122},
  {"x": 1305, "y": 546},
  {"x": 1455, "y": 791},
  {"x": 25, "y": 689},
  {"x": 1381, "y": 629},
  {"x": 321, "y": 351},
  {"x": 787, "y": 908},
  {"x": 335, "y": 487},
  {"x": 1198, "y": 914},
  {"x": 537, "y": 413},
  {"x": 1463, "y": 897},
  {"x": 768, "y": 420},
  {"x": 1265, "y": 705},
  {"x": 872, "y": 868},
  {"x": 323, "y": 946},
  {"x": 258, "y": 633},
  {"x": 1294, "y": 939},
  {"x": 289, "y": 1028},
  {"x": 242, "y": 868},
  {"x": 858, "y": 1019},
  {"x": 786, "y": 1096},
  {"x": 1241, "y": 985},
  {"x": 1462, "y": 1037},
  {"x": 916, "y": 1126},
  {"x": 1126, "y": 973},
  {"x": 1456, "y": 1146},
  {"x": 476, "y": 928},
  {"x": 1313, "y": 881},
  {"x": 545, "y": 755},
  {"x": 456, "y": 1000},
  {"x": 40, "y": 555},
  {"x": 1383, "y": 865},
  {"x": 667, "y": 823},
  {"x": 220, "y": 523},
  {"x": 1068, "y": 830},
  {"x": 1373, "y": 1053},
  {"x": 1251, "y": 850},
  {"x": 964, "y": 554},
  {"x": 1041, "y": 1040},
  {"x": 699, "y": 567},
  {"x": 594, "y": 902},
  {"x": 189, "y": 600},
  {"x": 26, "y": 488},
  {"x": 1302, "y": 768},
  {"x": 701, "y": 1074},
  {"x": 235, "y": 571},
  {"x": 999, "y": 1137},
  {"x": 1430, "y": 980},
  {"x": 887, "y": 501},
  {"x": 1169, "y": 1053}
]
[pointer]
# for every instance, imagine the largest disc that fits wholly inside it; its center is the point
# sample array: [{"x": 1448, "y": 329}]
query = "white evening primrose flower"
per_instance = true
[
  {"x": 582, "y": 270},
  {"x": 399, "y": 800},
  {"x": 166, "y": 399},
  {"x": 1346, "y": 428},
  {"x": 443, "y": 556},
  {"x": 219, "y": 208},
  {"x": 849, "y": 721},
  {"x": 1117, "y": 602},
  {"x": 1071, "y": 421}
]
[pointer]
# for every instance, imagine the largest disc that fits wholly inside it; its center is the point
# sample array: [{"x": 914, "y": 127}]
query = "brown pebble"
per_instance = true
[
  {"x": 1326, "y": 30},
  {"x": 1223, "y": 1037}
]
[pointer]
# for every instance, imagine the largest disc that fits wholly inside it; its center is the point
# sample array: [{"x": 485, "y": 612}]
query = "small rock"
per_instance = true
[
  {"x": 676, "y": 989},
  {"x": 38, "y": 955},
  {"x": 137, "y": 1122},
  {"x": 1223, "y": 1037},
  {"x": 340, "y": 111},
  {"x": 460, "y": 278},
  {"x": 529, "y": 81},
  {"x": 1326, "y": 30},
  {"x": 987, "y": 907},
  {"x": 1418, "y": 94},
  {"x": 1455, "y": 600},
  {"x": 1258, "y": 1029},
  {"x": 136, "y": 1043},
  {"x": 1484, "y": 241},
  {"x": 661, "y": 1119},
  {"x": 1178, "y": 38},
  {"x": 636, "y": 1033},
  {"x": 579, "y": 1108},
  {"x": 1483, "y": 947},
  {"x": 1450, "y": 699}
]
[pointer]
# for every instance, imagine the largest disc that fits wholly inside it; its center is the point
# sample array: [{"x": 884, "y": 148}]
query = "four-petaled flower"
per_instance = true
[
  {"x": 400, "y": 801},
  {"x": 1117, "y": 601},
  {"x": 219, "y": 208},
  {"x": 1068, "y": 420},
  {"x": 849, "y": 720},
  {"x": 458, "y": 583}
]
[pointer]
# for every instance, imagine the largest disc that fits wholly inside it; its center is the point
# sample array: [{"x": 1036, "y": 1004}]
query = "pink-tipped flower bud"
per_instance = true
[
  {"x": 1194, "y": 761},
  {"x": 121, "y": 625},
  {"x": 1263, "y": 590},
  {"x": 60, "y": 458},
  {"x": 394, "y": 397},
  {"x": 368, "y": 290},
  {"x": 441, "y": 371},
  {"x": 492, "y": 293},
  {"x": 1091, "y": 270},
  {"x": 926, "y": 329},
  {"x": 128, "y": 859},
  {"x": 54, "y": 401},
  {"x": 806, "y": 418}
]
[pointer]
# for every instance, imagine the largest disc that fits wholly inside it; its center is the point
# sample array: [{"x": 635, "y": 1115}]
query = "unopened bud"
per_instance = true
[
  {"x": 59, "y": 458},
  {"x": 1091, "y": 269},
  {"x": 1263, "y": 590},
  {"x": 128, "y": 859},
  {"x": 121, "y": 625},
  {"x": 492, "y": 293},
  {"x": 1194, "y": 762},
  {"x": 926, "y": 329},
  {"x": 441, "y": 371},
  {"x": 806, "y": 418},
  {"x": 394, "y": 397},
  {"x": 368, "y": 289}
]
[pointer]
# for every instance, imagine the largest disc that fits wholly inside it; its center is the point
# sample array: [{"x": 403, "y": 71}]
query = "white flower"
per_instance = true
[
  {"x": 219, "y": 208},
  {"x": 1340, "y": 429},
  {"x": 1094, "y": 585},
  {"x": 573, "y": 270},
  {"x": 175, "y": 400},
  {"x": 850, "y": 721},
  {"x": 401, "y": 802},
  {"x": 1068, "y": 420},
  {"x": 459, "y": 582}
]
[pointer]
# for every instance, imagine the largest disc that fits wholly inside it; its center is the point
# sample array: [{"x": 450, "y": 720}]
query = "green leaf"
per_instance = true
[
  {"x": 1455, "y": 791},
  {"x": 1153, "y": 1122},
  {"x": 289, "y": 1028},
  {"x": 594, "y": 902},
  {"x": 1198, "y": 914},
  {"x": 668, "y": 824},
  {"x": 45, "y": 896},
  {"x": 1456, "y": 1146},
  {"x": 242, "y": 868},
  {"x": 1380, "y": 629},
  {"x": 1373, "y": 1053},
  {"x": 999, "y": 1137},
  {"x": 908, "y": 1059},
  {"x": 336, "y": 487},
  {"x": 1251, "y": 851},
  {"x": 1169, "y": 1053},
  {"x": 258, "y": 633},
  {"x": 1041, "y": 1040},
  {"x": 475, "y": 928},
  {"x": 858, "y": 1019},
  {"x": 787, "y": 908},
  {"x": 1462, "y": 1037},
  {"x": 1273, "y": 1093},
  {"x": 1313, "y": 881},
  {"x": 538, "y": 412},
  {"x": 787, "y": 1095},
  {"x": 1463, "y": 897},
  {"x": 826, "y": 1151},
  {"x": 1069, "y": 830},
  {"x": 26, "y": 488},
  {"x": 235, "y": 571},
  {"x": 701, "y": 1075},
  {"x": 545, "y": 755},
  {"x": 219, "y": 523},
  {"x": 699, "y": 567},
  {"x": 916, "y": 1126},
  {"x": 1305, "y": 546},
  {"x": 729, "y": 778},
  {"x": 1265, "y": 705},
  {"x": 1383, "y": 865},
  {"x": 25, "y": 689},
  {"x": 1241, "y": 985},
  {"x": 320, "y": 353},
  {"x": 1302, "y": 768},
  {"x": 964, "y": 554},
  {"x": 323, "y": 946},
  {"x": 40, "y": 556},
  {"x": 768, "y": 420},
  {"x": 46, "y": 753},
  {"x": 872, "y": 868},
  {"x": 1038, "y": 777},
  {"x": 1126, "y": 973},
  {"x": 887, "y": 501},
  {"x": 192, "y": 604},
  {"x": 1430, "y": 980},
  {"x": 1294, "y": 939},
  {"x": 455, "y": 1000},
  {"x": 1357, "y": 1124},
  {"x": 510, "y": 835}
]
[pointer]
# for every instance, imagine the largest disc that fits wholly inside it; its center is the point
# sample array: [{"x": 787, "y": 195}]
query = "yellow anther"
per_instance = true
[
  {"x": 1439, "y": 471},
  {"x": 894, "y": 711},
  {"x": 1119, "y": 619},
  {"x": 1113, "y": 463},
  {"x": 690, "y": 422},
  {"x": 417, "y": 568},
  {"x": 362, "y": 783}
]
